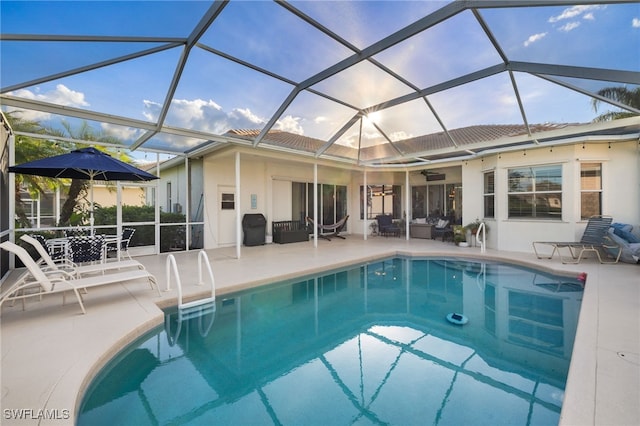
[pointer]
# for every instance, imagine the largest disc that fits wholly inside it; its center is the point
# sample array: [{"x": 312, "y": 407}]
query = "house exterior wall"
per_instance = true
[
  {"x": 177, "y": 177},
  {"x": 266, "y": 178},
  {"x": 620, "y": 192},
  {"x": 106, "y": 196}
]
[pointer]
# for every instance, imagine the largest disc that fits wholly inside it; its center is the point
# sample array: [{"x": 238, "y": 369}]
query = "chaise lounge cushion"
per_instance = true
[
  {"x": 626, "y": 235},
  {"x": 630, "y": 251}
]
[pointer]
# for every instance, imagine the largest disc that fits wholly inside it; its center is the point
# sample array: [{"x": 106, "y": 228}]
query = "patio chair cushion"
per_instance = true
[
  {"x": 626, "y": 235},
  {"x": 442, "y": 223}
]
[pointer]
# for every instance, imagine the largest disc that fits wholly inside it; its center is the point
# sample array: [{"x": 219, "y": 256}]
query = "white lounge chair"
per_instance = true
[
  {"x": 41, "y": 284},
  {"x": 74, "y": 269}
]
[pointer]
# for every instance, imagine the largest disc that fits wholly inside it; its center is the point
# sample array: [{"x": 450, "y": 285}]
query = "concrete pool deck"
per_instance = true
[{"x": 51, "y": 352}]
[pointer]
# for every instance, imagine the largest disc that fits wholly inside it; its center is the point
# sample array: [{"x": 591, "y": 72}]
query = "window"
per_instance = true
[
  {"x": 228, "y": 201},
  {"x": 489, "y": 195},
  {"x": 436, "y": 200},
  {"x": 332, "y": 202},
  {"x": 535, "y": 192},
  {"x": 382, "y": 199},
  {"x": 419, "y": 201},
  {"x": 591, "y": 190}
]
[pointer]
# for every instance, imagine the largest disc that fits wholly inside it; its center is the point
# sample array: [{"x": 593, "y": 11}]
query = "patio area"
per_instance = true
[{"x": 50, "y": 352}]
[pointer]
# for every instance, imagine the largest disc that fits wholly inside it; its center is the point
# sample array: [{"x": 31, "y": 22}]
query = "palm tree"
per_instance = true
[
  {"x": 622, "y": 95},
  {"x": 30, "y": 148}
]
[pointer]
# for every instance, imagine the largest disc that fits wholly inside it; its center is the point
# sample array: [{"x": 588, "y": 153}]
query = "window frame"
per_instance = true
[
  {"x": 584, "y": 191},
  {"x": 489, "y": 194},
  {"x": 537, "y": 194},
  {"x": 228, "y": 201}
]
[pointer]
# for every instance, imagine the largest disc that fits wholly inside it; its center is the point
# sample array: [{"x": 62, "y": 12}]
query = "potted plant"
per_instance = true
[
  {"x": 473, "y": 227},
  {"x": 460, "y": 235},
  {"x": 374, "y": 228}
]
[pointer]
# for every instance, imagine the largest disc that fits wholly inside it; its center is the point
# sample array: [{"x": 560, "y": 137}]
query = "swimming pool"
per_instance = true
[{"x": 369, "y": 344}]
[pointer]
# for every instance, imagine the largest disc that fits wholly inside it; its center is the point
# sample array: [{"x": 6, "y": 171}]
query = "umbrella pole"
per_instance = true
[{"x": 91, "y": 207}]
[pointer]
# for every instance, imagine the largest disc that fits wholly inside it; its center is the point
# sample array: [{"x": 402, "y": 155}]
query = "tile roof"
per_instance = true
[{"x": 420, "y": 145}]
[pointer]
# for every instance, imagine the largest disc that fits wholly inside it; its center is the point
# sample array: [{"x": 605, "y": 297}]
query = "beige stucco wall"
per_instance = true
[
  {"x": 620, "y": 191},
  {"x": 620, "y": 177},
  {"x": 106, "y": 196}
]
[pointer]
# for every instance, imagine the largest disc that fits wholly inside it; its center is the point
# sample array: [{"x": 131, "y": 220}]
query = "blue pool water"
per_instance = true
[{"x": 365, "y": 345}]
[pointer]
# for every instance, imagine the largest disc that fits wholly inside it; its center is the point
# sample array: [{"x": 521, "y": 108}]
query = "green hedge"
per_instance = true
[{"x": 171, "y": 237}]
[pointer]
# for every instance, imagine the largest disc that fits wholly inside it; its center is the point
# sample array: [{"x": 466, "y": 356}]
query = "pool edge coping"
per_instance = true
[{"x": 573, "y": 394}]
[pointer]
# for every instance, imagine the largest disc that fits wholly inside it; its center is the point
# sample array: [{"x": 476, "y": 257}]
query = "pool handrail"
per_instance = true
[
  {"x": 481, "y": 236},
  {"x": 172, "y": 266}
]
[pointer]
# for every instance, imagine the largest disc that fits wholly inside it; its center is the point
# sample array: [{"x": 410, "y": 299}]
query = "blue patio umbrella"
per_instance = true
[{"x": 85, "y": 163}]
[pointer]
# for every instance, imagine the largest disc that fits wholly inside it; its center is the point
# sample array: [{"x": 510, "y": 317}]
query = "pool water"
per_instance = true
[{"x": 365, "y": 345}]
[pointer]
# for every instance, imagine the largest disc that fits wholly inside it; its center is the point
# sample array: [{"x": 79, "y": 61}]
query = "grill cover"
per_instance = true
[{"x": 254, "y": 227}]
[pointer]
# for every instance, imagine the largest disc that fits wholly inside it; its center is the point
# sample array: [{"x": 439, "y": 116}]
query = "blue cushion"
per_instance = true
[
  {"x": 622, "y": 226},
  {"x": 628, "y": 236}
]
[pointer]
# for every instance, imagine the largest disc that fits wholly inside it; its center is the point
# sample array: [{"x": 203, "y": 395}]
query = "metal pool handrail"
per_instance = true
[
  {"x": 172, "y": 266},
  {"x": 481, "y": 235}
]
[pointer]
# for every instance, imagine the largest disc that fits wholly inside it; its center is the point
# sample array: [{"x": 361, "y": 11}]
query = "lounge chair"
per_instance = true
[
  {"x": 39, "y": 283},
  {"x": 74, "y": 269},
  {"x": 594, "y": 239},
  {"x": 336, "y": 228}
]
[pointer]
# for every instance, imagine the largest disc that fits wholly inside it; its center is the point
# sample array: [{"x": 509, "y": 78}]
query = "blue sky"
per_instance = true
[{"x": 215, "y": 95}]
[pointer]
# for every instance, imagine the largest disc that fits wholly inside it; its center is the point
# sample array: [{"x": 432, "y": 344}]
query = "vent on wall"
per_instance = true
[{"x": 433, "y": 176}]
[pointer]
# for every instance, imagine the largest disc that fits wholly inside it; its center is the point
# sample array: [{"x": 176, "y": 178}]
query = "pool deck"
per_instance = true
[{"x": 51, "y": 352}]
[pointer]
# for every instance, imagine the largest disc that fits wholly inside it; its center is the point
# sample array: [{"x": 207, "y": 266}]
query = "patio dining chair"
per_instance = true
[
  {"x": 595, "y": 239},
  {"x": 87, "y": 249},
  {"x": 125, "y": 240}
]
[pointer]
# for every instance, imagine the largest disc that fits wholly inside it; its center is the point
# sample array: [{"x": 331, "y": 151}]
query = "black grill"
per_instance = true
[{"x": 254, "y": 227}]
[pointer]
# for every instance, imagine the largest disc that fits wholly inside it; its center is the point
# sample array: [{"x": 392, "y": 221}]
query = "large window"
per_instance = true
[
  {"x": 535, "y": 192},
  {"x": 382, "y": 199},
  {"x": 436, "y": 200},
  {"x": 591, "y": 190},
  {"x": 332, "y": 202},
  {"x": 489, "y": 195}
]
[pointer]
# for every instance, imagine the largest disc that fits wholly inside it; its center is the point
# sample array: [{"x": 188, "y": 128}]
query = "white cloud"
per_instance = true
[
  {"x": 569, "y": 26},
  {"x": 573, "y": 12},
  {"x": 120, "y": 132},
  {"x": 61, "y": 95},
  {"x": 202, "y": 115},
  {"x": 507, "y": 99},
  {"x": 244, "y": 115},
  {"x": 290, "y": 124},
  {"x": 151, "y": 110},
  {"x": 29, "y": 115},
  {"x": 635, "y": 23},
  {"x": 533, "y": 38},
  {"x": 589, "y": 17},
  {"x": 319, "y": 119}
]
